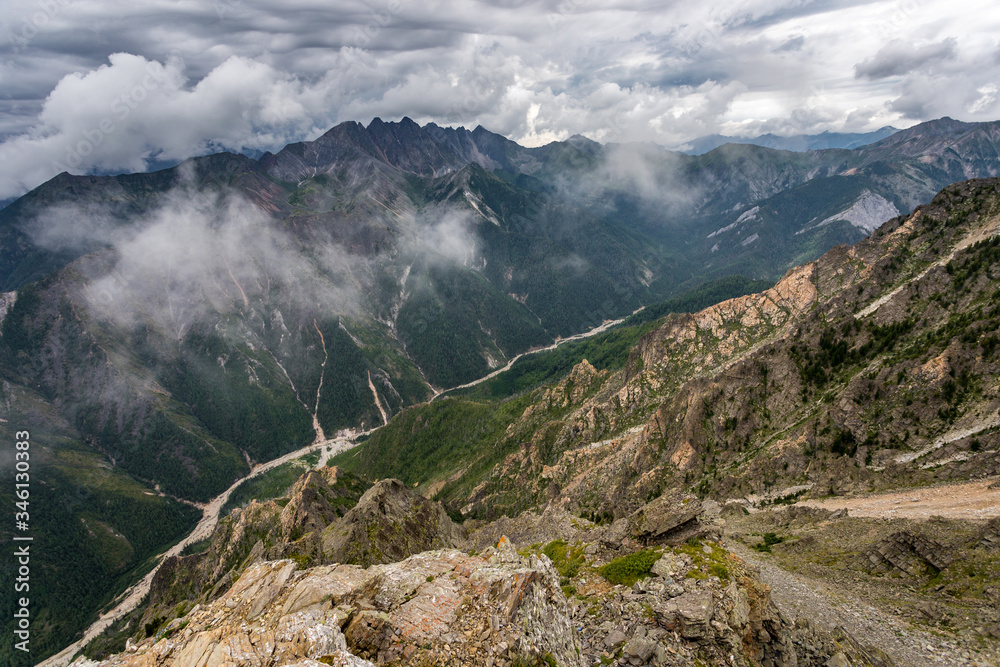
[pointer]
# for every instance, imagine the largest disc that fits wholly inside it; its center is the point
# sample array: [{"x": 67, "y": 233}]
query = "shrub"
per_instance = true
[
  {"x": 770, "y": 539},
  {"x": 631, "y": 568}
]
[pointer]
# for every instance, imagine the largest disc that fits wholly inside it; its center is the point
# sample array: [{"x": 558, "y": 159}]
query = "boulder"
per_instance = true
[
  {"x": 688, "y": 614},
  {"x": 672, "y": 518}
]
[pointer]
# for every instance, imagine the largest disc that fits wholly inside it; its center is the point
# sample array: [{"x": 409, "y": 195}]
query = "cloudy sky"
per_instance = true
[{"x": 116, "y": 85}]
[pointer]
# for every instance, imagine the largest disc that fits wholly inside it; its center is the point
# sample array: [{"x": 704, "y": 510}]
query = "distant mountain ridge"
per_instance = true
[{"x": 795, "y": 142}]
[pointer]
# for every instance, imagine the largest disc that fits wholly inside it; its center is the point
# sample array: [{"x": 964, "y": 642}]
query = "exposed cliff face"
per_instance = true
[
  {"x": 273, "y": 529},
  {"x": 439, "y": 606},
  {"x": 328, "y": 517}
]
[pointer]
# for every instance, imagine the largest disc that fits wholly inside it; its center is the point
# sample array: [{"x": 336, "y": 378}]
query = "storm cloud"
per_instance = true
[{"x": 110, "y": 86}]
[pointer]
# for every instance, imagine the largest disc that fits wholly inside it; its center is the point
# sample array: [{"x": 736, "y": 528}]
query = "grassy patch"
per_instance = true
[
  {"x": 566, "y": 559},
  {"x": 630, "y": 568},
  {"x": 274, "y": 483},
  {"x": 197, "y": 547}
]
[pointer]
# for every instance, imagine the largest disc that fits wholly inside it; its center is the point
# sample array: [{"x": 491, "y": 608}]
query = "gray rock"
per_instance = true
[
  {"x": 614, "y": 638},
  {"x": 640, "y": 648},
  {"x": 689, "y": 614},
  {"x": 668, "y": 565},
  {"x": 838, "y": 660},
  {"x": 664, "y": 518},
  {"x": 389, "y": 523}
]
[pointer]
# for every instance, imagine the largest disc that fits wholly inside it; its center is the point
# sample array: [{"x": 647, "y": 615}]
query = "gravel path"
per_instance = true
[
  {"x": 970, "y": 500},
  {"x": 797, "y": 595}
]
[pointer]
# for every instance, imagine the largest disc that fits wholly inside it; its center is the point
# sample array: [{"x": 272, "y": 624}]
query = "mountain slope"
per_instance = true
[
  {"x": 873, "y": 366},
  {"x": 188, "y": 323}
]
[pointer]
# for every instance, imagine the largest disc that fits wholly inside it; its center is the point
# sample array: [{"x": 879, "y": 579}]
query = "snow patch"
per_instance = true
[{"x": 748, "y": 240}]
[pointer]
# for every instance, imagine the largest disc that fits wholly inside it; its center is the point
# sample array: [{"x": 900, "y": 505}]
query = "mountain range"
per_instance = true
[
  {"x": 164, "y": 332},
  {"x": 795, "y": 142}
]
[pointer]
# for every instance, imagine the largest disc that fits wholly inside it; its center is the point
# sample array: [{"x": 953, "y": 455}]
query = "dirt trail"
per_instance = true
[{"x": 969, "y": 500}]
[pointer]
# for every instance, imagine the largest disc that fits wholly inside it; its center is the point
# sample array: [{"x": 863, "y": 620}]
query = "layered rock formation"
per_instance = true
[
  {"x": 490, "y": 605},
  {"x": 389, "y": 523}
]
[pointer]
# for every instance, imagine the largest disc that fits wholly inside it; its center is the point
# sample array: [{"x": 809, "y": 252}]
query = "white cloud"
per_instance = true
[{"x": 257, "y": 74}]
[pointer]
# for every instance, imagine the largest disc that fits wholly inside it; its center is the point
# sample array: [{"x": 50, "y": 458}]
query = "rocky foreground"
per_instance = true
[{"x": 653, "y": 588}]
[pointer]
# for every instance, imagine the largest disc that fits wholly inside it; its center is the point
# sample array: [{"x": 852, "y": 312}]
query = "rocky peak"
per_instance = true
[
  {"x": 309, "y": 508},
  {"x": 389, "y": 523},
  {"x": 438, "y": 607}
]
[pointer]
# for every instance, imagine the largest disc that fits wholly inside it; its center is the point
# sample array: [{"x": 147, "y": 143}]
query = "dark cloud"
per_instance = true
[
  {"x": 900, "y": 57},
  {"x": 256, "y": 74}
]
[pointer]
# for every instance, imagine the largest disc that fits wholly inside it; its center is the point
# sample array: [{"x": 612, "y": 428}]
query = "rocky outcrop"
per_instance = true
[
  {"x": 672, "y": 518},
  {"x": 310, "y": 507},
  {"x": 322, "y": 520},
  {"x": 497, "y": 608},
  {"x": 439, "y": 607},
  {"x": 801, "y": 386},
  {"x": 991, "y": 535},
  {"x": 674, "y": 618},
  {"x": 914, "y": 554},
  {"x": 268, "y": 530},
  {"x": 389, "y": 523}
]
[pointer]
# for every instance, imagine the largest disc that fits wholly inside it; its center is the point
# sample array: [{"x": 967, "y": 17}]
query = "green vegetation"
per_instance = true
[
  {"x": 709, "y": 559},
  {"x": 453, "y": 316},
  {"x": 609, "y": 350},
  {"x": 429, "y": 442},
  {"x": 95, "y": 531},
  {"x": 567, "y": 560},
  {"x": 197, "y": 547},
  {"x": 630, "y": 568},
  {"x": 768, "y": 541},
  {"x": 468, "y": 433},
  {"x": 699, "y": 298},
  {"x": 606, "y": 351},
  {"x": 275, "y": 483},
  {"x": 239, "y": 405}
]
